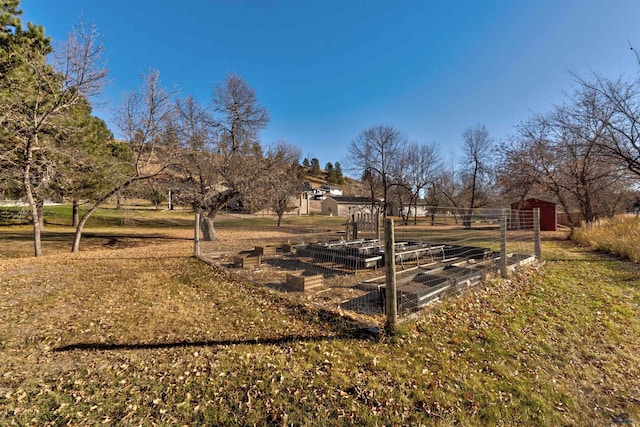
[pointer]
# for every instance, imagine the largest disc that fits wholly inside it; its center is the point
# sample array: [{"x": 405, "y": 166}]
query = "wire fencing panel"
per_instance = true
[
  {"x": 340, "y": 263},
  {"x": 454, "y": 249}
]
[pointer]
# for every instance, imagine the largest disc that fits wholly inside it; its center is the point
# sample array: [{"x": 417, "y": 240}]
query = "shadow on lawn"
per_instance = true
[
  {"x": 360, "y": 334},
  {"x": 68, "y": 236},
  {"x": 344, "y": 329}
]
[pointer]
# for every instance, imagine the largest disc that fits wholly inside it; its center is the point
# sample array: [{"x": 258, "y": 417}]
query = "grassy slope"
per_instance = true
[{"x": 148, "y": 333}]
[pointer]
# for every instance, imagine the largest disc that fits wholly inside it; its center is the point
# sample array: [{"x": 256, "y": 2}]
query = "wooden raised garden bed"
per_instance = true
[
  {"x": 304, "y": 283},
  {"x": 246, "y": 261}
]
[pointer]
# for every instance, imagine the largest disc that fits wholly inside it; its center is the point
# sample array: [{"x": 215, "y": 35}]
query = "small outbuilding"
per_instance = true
[
  {"x": 330, "y": 190},
  {"x": 522, "y": 214},
  {"x": 345, "y": 205}
]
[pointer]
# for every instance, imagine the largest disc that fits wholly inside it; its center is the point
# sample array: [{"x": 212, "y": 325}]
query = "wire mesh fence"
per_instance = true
[{"x": 343, "y": 264}]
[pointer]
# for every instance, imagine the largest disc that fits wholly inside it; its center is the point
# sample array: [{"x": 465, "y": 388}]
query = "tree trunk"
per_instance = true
[
  {"x": 75, "y": 247},
  {"x": 40, "y": 208},
  {"x": 75, "y": 213},
  {"x": 466, "y": 218},
  {"x": 206, "y": 225},
  {"x": 414, "y": 201},
  {"x": 280, "y": 215},
  {"x": 37, "y": 231},
  {"x": 26, "y": 182},
  {"x": 78, "y": 233}
]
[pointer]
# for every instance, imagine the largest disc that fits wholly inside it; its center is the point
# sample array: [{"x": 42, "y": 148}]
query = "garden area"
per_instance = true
[{"x": 134, "y": 330}]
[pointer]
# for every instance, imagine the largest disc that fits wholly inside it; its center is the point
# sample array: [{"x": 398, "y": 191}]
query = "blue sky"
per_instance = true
[{"x": 327, "y": 69}]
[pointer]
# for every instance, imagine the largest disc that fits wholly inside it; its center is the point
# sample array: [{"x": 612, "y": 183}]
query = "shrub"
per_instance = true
[{"x": 619, "y": 235}]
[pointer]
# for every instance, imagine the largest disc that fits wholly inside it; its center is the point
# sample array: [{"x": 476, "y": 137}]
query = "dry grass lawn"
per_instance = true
[{"x": 134, "y": 331}]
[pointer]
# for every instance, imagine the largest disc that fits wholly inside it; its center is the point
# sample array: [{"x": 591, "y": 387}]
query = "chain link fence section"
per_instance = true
[{"x": 344, "y": 265}]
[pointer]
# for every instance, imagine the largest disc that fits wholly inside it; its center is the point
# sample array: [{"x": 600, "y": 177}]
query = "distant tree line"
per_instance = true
[
  {"x": 332, "y": 171},
  {"x": 398, "y": 173},
  {"x": 584, "y": 154}
]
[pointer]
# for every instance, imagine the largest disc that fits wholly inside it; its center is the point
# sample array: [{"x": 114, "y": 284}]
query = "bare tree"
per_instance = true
[
  {"x": 618, "y": 104},
  {"x": 194, "y": 176},
  {"x": 467, "y": 185},
  {"x": 373, "y": 186},
  {"x": 559, "y": 155},
  {"x": 418, "y": 168},
  {"x": 241, "y": 117},
  {"x": 145, "y": 119},
  {"x": 282, "y": 179},
  {"x": 376, "y": 152},
  {"x": 37, "y": 95},
  {"x": 581, "y": 130},
  {"x": 449, "y": 184},
  {"x": 238, "y": 159},
  {"x": 532, "y": 160}
]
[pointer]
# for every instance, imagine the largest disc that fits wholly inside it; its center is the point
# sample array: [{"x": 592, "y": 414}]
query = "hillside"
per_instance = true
[{"x": 351, "y": 187}]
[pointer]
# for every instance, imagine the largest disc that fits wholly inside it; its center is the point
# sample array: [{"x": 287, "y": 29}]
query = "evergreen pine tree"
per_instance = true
[
  {"x": 338, "y": 173},
  {"x": 315, "y": 167},
  {"x": 331, "y": 173}
]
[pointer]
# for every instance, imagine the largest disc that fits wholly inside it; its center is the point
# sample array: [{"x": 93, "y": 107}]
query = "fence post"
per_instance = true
[
  {"x": 536, "y": 233},
  {"x": 391, "y": 305},
  {"x": 196, "y": 236},
  {"x": 347, "y": 229},
  {"x": 503, "y": 245}
]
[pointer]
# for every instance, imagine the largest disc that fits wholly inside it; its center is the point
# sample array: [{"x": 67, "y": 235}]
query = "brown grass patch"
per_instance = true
[{"x": 146, "y": 334}]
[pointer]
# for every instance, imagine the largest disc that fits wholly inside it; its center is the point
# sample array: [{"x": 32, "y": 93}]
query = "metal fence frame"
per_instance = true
[{"x": 422, "y": 253}]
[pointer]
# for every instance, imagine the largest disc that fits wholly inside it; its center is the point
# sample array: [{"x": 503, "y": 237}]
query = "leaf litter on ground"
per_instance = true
[{"x": 150, "y": 335}]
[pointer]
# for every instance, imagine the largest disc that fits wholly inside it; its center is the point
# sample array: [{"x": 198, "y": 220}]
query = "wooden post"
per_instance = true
[
  {"x": 391, "y": 306},
  {"x": 355, "y": 229},
  {"x": 503, "y": 245},
  {"x": 196, "y": 236},
  {"x": 536, "y": 233},
  {"x": 347, "y": 229}
]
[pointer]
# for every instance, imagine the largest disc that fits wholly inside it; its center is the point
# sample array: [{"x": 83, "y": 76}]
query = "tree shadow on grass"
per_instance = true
[
  {"x": 343, "y": 329},
  {"x": 68, "y": 236},
  {"x": 363, "y": 334}
]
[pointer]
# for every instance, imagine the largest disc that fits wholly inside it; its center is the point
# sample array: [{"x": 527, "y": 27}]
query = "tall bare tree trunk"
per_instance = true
[
  {"x": 75, "y": 213},
  {"x": 466, "y": 218},
  {"x": 26, "y": 182},
  {"x": 37, "y": 231},
  {"x": 78, "y": 233},
  {"x": 40, "y": 208},
  {"x": 75, "y": 247},
  {"x": 206, "y": 225}
]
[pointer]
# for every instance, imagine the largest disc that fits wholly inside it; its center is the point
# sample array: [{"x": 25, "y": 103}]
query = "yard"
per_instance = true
[{"x": 134, "y": 330}]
